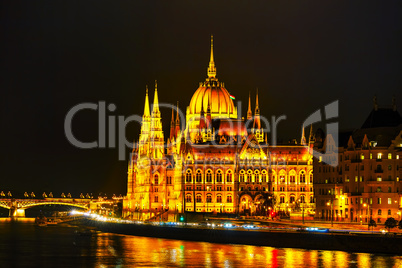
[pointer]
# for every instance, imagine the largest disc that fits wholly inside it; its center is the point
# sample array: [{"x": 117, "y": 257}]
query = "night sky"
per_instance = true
[{"x": 301, "y": 55}]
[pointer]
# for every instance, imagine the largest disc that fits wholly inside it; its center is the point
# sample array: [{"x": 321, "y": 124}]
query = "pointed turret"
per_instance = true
[
  {"x": 146, "y": 107},
  {"x": 351, "y": 143},
  {"x": 257, "y": 120},
  {"x": 172, "y": 126},
  {"x": 365, "y": 142},
  {"x": 209, "y": 119},
  {"x": 177, "y": 131},
  {"x": 202, "y": 116},
  {"x": 311, "y": 136},
  {"x": 303, "y": 137},
  {"x": 249, "y": 113},
  {"x": 211, "y": 68},
  {"x": 155, "y": 107}
]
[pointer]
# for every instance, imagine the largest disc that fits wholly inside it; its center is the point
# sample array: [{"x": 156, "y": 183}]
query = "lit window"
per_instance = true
[
  {"x": 397, "y": 157},
  {"x": 379, "y": 155},
  {"x": 219, "y": 176},
  {"x": 362, "y": 157},
  {"x": 389, "y": 201},
  {"x": 389, "y": 156},
  {"x": 379, "y": 200},
  {"x": 209, "y": 176}
]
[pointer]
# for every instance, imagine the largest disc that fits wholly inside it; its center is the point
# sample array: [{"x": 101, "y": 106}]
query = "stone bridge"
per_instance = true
[{"x": 17, "y": 206}]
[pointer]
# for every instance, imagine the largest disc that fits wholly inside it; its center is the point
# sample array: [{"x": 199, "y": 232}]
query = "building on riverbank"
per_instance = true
[
  {"x": 367, "y": 182},
  {"x": 215, "y": 161}
]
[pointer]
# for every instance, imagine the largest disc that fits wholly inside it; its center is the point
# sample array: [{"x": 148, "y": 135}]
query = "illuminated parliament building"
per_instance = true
[{"x": 215, "y": 162}]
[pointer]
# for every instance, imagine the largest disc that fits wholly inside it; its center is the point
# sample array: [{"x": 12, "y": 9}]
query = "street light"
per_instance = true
[
  {"x": 368, "y": 211},
  {"x": 332, "y": 218}
]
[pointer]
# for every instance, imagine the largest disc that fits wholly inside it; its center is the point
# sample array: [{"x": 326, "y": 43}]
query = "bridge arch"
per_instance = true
[{"x": 27, "y": 206}]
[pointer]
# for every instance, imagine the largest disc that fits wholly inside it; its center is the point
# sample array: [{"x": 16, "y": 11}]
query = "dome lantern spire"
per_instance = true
[{"x": 211, "y": 67}]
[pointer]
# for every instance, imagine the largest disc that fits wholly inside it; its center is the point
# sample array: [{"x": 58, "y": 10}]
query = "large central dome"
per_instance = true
[
  {"x": 212, "y": 93},
  {"x": 218, "y": 98}
]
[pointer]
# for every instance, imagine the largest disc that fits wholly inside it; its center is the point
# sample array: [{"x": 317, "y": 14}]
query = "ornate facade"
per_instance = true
[{"x": 214, "y": 162}]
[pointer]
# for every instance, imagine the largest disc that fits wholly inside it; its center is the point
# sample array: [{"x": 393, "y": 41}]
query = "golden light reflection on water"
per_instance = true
[{"x": 143, "y": 251}]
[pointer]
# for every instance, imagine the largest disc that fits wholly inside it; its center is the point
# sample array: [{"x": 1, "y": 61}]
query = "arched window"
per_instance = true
[
  {"x": 292, "y": 178},
  {"x": 188, "y": 198},
  {"x": 198, "y": 176},
  {"x": 209, "y": 198},
  {"x": 188, "y": 176},
  {"x": 311, "y": 177},
  {"x": 311, "y": 199},
  {"x": 209, "y": 176},
  {"x": 379, "y": 212},
  {"x": 264, "y": 176},
  {"x": 249, "y": 176},
  {"x": 229, "y": 199},
  {"x": 242, "y": 175},
  {"x": 219, "y": 176},
  {"x": 219, "y": 199},
  {"x": 198, "y": 198},
  {"x": 282, "y": 199},
  {"x": 302, "y": 177},
  {"x": 257, "y": 176},
  {"x": 292, "y": 199},
  {"x": 302, "y": 199},
  {"x": 156, "y": 199},
  {"x": 156, "y": 179},
  {"x": 229, "y": 176}
]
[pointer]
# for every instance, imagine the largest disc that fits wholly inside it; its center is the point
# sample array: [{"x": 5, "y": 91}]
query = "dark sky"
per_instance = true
[{"x": 301, "y": 55}]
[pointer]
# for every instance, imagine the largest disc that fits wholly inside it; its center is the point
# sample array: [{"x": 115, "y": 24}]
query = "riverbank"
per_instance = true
[{"x": 349, "y": 242}]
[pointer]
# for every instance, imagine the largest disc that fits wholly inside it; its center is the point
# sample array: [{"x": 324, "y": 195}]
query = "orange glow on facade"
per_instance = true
[{"x": 215, "y": 164}]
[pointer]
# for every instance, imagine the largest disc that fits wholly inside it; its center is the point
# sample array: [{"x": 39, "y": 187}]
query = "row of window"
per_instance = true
[
  {"x": 208, "y": 199},
  {"x": 292, "y": 199}
]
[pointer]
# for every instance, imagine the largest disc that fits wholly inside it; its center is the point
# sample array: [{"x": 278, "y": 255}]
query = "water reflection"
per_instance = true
[
  {"x": 44, "y": 247},
  {"x": 142, "y": 251}
]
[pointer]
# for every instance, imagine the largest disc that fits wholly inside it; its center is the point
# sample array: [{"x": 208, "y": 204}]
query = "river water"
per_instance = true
[{"x": 23, "y": 244}]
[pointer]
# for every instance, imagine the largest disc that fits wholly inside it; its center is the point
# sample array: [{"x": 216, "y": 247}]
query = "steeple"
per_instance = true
[
  {"x": 146, "y": 107},
  {"x": 172, "y": 126},
  {"x": 311, "y": 136},
  {"x": 257, "y": 120},
  {"x": 155, "y": 107},
  {"x": 177, "y": 132},
  {"x": 209, "y": 119},
  {"x": 211, "y": 68},
  {"x": 303, "y": 137},
  {"x": 249, "y": 113}
]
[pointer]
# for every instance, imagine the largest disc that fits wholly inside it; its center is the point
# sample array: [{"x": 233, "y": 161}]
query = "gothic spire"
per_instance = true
[
  {"x": 172, "y": 125},
  {"x": 303, "y": 137},
  {"x": 156, "y": 101},
  {"x": 257, "y": 120},
  {"x": 211, "y": 68},
  {"x": 249, "y": 113},
  {"x": 177, "y": 132},
  {"x": 146, "y": 107}
]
